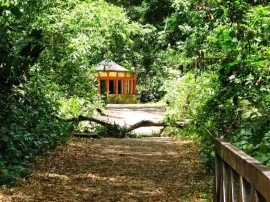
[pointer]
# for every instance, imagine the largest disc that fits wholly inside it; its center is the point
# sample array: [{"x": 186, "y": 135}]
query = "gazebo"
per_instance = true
[{"x": 116, "y": 82}]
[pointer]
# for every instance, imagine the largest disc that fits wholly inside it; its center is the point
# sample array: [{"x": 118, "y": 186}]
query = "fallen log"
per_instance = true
[
  {"x": 86, "y": 135},
  {"x": 84, "y": 118},
  {"x": 145, "y": 123},
  {"x": 116, "y": 128}
]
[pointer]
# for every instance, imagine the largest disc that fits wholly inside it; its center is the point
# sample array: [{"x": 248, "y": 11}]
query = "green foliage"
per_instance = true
[
  {"x": 114, "y": 131},
  {"x": 147, "y": 11},
  {"x": 26, "y": 126},
  {"x": 149, "y": 58},
  {"x": 121, "y": 99},
  {"x": 75, "y": 106},
  {"x": 188, "y": 93},
  {"x": 151, "y": 95},
  {"x": 79, "y": 36},
  {"x": 232, "y": 46},
  {"x": 29, "y": 130},
  {"x": 242, "y": 101}
]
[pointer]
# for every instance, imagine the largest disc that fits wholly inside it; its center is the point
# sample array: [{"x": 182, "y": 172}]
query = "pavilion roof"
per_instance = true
[{"x": 110, "y": 66}]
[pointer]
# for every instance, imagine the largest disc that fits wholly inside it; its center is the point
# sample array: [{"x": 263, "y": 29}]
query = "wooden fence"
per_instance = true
[{"x": 239, "y": 177}]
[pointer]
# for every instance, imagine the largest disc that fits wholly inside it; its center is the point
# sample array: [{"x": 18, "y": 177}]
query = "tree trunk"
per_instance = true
[{"x": 116, "y": 128}]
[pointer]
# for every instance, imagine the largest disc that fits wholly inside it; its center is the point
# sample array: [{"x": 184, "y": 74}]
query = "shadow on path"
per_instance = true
[{"x": 107, "y": 169}]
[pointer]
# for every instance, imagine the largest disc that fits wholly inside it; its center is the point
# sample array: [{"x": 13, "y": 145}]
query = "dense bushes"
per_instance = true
[
  {"x": 27, "y": 130},
  {"x": 234, "y": 53},
  {"x": 24, "y": 109},
  {"x": 154, "y": 95}
]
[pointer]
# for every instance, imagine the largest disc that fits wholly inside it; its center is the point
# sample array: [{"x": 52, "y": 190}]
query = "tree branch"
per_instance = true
[
  {"x": 145, "y": 123},
  {"x": 84, "y": 118},
  {"x": 127, "y": 129}
]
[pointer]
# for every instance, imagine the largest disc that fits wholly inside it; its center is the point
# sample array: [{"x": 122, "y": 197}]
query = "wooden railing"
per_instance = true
[{"x": 239, "y": 177}]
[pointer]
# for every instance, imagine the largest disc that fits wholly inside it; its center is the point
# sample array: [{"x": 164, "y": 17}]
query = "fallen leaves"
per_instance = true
[{"x": 147, "y": 169}]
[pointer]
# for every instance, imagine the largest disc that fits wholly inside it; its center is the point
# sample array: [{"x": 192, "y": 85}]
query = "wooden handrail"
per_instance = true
[{"x": 239, "y": 177}]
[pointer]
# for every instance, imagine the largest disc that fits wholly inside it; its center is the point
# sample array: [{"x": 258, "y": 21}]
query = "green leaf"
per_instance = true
[{"x": 16, "y": 11}]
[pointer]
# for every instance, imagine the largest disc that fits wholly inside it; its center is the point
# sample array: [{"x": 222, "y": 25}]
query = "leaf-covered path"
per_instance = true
[{"x": 107, "y": 169}]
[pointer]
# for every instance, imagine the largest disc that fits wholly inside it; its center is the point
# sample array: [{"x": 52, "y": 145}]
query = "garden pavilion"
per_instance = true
[{"x": 114, "y": 80}]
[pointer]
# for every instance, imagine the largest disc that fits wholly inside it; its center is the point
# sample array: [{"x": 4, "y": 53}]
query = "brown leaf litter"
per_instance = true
[{"x": 107, "y": 169}]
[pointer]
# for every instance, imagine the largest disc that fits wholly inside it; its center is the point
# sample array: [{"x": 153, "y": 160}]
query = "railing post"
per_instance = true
[{"x": 239, "y": 177}]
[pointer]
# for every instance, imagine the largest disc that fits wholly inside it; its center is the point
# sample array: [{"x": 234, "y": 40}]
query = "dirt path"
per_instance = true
[
  {"x": 107, "y": 169},
  {"x": 146, "y": 169},
  {"x": 131, "y": 114}
]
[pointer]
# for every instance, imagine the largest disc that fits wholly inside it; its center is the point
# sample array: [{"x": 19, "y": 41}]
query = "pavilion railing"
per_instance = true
[{"x": 239, "y": 177}]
